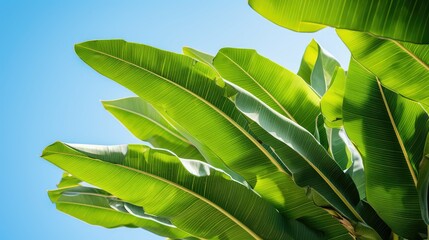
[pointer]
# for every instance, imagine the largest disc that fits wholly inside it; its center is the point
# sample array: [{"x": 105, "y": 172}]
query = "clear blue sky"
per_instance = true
[{"x": 48, "y": 94}]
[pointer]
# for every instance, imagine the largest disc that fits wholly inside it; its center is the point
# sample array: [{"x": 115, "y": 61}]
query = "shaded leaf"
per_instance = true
[{"x": 389, "y": 132}]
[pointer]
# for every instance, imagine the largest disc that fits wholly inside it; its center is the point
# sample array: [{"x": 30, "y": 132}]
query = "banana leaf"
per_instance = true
[
  {"x": 404, "y": 20},
  {"x": 194, "y": 100},
  {"x": 400, "y": 67},
  {"x": 141, "y": 119},
  {"x": 315, "y": 168},
  {"x": 423, "y": 183},
  {"x": 389, "y": 131},
  {"x": 279, "y": 88},
  {"x": 94, "y": 206},
  {"x": 190, "y": 194}
]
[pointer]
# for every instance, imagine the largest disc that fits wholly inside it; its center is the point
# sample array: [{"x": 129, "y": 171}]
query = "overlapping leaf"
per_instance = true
[
  {"x": 147, "y": 124},
  {"x": 332, "y": 102},
  {"x": 190, "y": 194},
  {"x": 400, "y": 67},
  {"x": 318, "y": 67},
  {"x": 314, "y": 167},
  {"x": 279, "y": 88},
  {"x": 192, "y": 96},
  {"x": 94, "y": 207},
  {"x": 423, "y": 183},
  {"x": 389, "y": 132}
]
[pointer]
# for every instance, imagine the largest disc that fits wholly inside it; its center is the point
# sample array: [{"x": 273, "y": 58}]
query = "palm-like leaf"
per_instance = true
[
  {"x": 405, "y": 20},
  {"x": 148, "y": 125},
  {"x": 332, "y": 102},
  {"x": 314, "y": 167},
  {"x": 94, "y": 206},
  {"x": 400, "y": 67},
  {"x": 142, "y": 69},
  {"x": 423, "y": 183},
  {"x": 176, "y": 190},
  {"x": 317, "y": 67},
  {"x": 389, "y": 131},
  {"x": 279, "y": 88}
]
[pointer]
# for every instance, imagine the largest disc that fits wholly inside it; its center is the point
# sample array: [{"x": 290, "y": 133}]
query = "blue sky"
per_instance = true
[{"x": 48, "y": 94}]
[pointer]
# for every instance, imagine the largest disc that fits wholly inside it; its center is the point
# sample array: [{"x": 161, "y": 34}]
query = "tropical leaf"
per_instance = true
[
  {"x": 147, "y": 124},
  {"x": 315, "y": 168},
  {"x": 321, "y": 133},
  {"x": 405, "y": 20},
  {"x": 400, "y": 67},
  {"x": 198, "y": 55},
  {"x": 423, "y": 183},
  {"x": 331, "y": 103},
  {"x": 192, "y": 98},
  {"x": 338, "y": 148},
  {"x": 317, "y": 67},
  {"x": 68, "y": 180},
  {"x": 94, "y": 206},
  {"x": 279, "y": 88},
  {"x": 356, "y": 170},
  {"x": 389, "y": 131},
  {"x": 190, "y": 194}
]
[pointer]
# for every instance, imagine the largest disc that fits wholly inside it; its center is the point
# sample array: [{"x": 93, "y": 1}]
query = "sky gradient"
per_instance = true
[{"x": 49, "y": 94}]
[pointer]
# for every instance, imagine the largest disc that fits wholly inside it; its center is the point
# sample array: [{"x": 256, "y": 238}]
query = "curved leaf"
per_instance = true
[
  {"x": 315, "y": 168},
  {"x": 405, "y": 20},
  {"x": 93, "y": 206},
  {"x": 356, "y": 170},
  {"x": 331, "y": 103},
  {"x": 190, "y": 194},
  {"x": 400, "y": 67},
  {"x": 389, "y": 132},
  {"x": 147, "y": 124},
  {"x": 191, "y": 95},
  {"x": 279, "y": 88},
  {"x": 317, "y": 67}
]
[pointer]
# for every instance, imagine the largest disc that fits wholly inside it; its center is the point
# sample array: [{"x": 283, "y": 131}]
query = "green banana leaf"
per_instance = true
[
  {"x": 331, "y": 103},
  {"x": 321, "y": 133},
  {"x": 190, "y": 194},
  {"x": 279, "y": 88},
  {"x": 141, "y": 119},
  {"x": 405, "y": 20},
  {"x": 389, "y": 131},
  {"x": 315, "y": 168},
  {"x": 338, "y": 148},
  {"x": 212, "y": 124},
  {"x": 356, "y": 170},
  {"x": 400, "y": 67},
  {"x": 68, "y": 180},
  {"x": 198, "y": 55},
  {"x": 323, "y": 72},
  {"x": 94, "y": 206},
  {"x": 423, "y": 183},
  {"x": 317, "y": 67},
  {"x": 180, "y": 82},
  {"x": 306, "y": 209}
]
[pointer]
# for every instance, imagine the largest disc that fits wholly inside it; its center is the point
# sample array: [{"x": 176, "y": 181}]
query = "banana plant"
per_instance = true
[{"x": 235, "y": 146}]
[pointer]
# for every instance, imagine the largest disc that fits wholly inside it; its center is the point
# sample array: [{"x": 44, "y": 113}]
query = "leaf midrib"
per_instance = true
[
  {"x": 260, "y": 86},
  {"x": 403, "y": 48},
  {"x": 273, "y": 161},
  {"x": 151, "y": 120},
  {"x": 398, "y": 136},
  {"x": 168, "y": 182}
]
